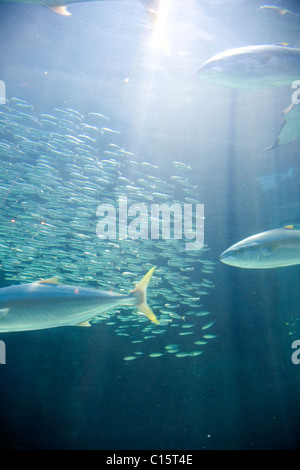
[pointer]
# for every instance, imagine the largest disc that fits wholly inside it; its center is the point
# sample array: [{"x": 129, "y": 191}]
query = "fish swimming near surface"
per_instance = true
[
  {"x": 48, "y": 304},
  {"x": 152, "y": 7},
  {"x": 60, "y": 6},
  {"x": 272, "y": 249},
  {"x": 253, "y": 67}
]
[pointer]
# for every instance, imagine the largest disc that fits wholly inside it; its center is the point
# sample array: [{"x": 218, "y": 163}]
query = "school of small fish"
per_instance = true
[
  {"x": 55, "y": 171},
  {"x": 57, "y": 168}
]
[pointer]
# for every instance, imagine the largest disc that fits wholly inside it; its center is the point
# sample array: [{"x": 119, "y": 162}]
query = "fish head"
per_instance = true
[
  {"x": 250, "y": 67},
  {"x": 244, "y": 255},
  {"x": 230, "y": 69},
  {"x": 216, "y": 70}
]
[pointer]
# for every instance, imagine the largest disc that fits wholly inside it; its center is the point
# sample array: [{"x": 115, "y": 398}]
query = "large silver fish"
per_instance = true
[
  {"x": 253, "y": 67},
  {"x": 272, "y": 249},
  {"x": 47, "y": 304}
]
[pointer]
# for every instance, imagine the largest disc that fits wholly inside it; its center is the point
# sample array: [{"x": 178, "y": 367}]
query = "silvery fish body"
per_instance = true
[
  {"x": 254, "y": 67},
  {"x": 272, "y": 249},
  {"x": 47, "y": 304}
]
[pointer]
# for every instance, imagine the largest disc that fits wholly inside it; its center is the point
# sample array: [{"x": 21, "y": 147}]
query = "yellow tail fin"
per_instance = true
[{"x": 140, "y": 292}]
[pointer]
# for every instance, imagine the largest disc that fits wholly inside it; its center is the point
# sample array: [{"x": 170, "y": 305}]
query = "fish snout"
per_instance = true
[{"x": 225, "y": 257}]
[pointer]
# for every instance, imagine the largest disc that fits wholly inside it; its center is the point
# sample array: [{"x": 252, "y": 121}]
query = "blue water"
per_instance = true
[{"x": 71, "y": 388}]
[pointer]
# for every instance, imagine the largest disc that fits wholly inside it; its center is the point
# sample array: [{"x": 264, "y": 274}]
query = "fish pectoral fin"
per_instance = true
[
  {"x": 62, "y": 10},
  {"x": 84, "y": 323},
  {"x": 51, "y": 280},
  {"x": 288, "y": 109},
  {"x": 268, "y": 250},
  {"x": 3, "y": 312},
  {"x": 271, "y": 147}
]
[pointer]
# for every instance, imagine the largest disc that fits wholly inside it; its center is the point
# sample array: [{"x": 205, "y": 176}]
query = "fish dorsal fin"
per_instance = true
[{"x": 51, "y": 280}]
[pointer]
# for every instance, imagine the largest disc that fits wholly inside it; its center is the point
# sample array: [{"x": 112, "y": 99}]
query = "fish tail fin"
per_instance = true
[{"x": 140, "y": 295}]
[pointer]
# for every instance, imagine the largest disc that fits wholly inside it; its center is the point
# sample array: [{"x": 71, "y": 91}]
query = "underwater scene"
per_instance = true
[{"x": 150, "y": 225}]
